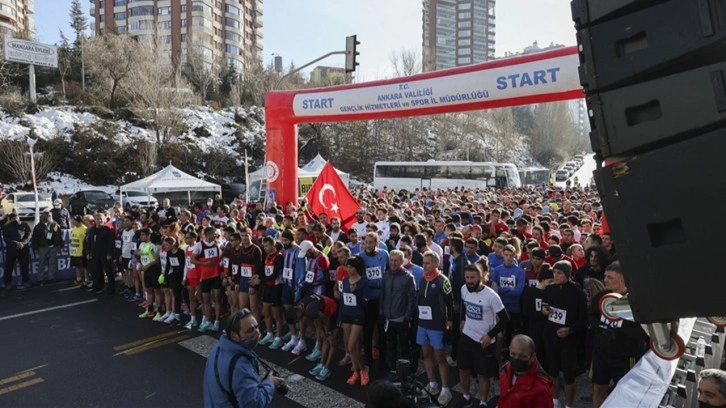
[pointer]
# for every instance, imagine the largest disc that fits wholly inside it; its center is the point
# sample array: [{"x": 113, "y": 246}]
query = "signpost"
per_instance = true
[{"x": 31, "y": 53}]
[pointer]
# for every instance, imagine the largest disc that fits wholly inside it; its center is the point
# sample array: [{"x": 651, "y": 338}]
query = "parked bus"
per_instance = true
[
  {"x": 444, "y": 174},
  {"x": 534, "y": 176}
]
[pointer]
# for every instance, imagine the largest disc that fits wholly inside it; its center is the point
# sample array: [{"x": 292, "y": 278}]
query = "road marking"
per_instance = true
[
  {"x": 21, "y": 385},
  {"x": 17, "y": 377},
  {"x": 146, "y": 340},
  {"x": 303, "y": 390},
  {"x": 47, "y": 309},
  {"x": 34, "y": 368},
  {"x": 152, "y": 345},
  {"x": 71, "y": 288}
]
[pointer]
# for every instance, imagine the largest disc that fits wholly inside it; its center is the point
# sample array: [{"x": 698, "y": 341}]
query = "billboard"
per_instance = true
[
  {"x": 30, "y": 52},
  {"x": 65, "y": 270}
]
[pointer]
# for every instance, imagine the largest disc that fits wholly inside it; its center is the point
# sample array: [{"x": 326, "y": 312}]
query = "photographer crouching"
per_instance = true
[{"x": 231, "y": 377}]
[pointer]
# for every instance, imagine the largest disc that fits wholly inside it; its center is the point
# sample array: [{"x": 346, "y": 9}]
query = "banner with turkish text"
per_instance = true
[{"x": 330, "y": 196}]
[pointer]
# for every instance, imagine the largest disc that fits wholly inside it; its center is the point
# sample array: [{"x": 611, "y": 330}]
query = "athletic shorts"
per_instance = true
[
  {"x": 79, "y": 262},
  {"x": 561, "y": 357},
  {"x": 472, "y": 356},
  {"x": 272, "y": 294},
  {"x": 357, "y": 320},
  {"x": 125, "y": 263},
  {"x": 607, "y": 366},
  {"x": 207, "y": 285},
  {"x": 192, "y": 282},
  {"x": 428, "y": 337},
  {"x": 289, "y": 296},
  {"x": 151, "y": 278},
  {"x": 244, "y": 284},
  {"x": 173, "y": 282}
]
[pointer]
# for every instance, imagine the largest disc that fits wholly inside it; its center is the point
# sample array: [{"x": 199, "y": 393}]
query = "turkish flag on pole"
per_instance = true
[{"x": 331, "y": 197}]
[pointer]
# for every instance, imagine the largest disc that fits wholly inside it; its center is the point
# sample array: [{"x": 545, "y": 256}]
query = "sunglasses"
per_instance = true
[{"x": 237, "y": 317}]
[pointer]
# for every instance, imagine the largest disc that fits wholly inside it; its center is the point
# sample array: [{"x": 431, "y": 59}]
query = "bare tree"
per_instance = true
[
  {"x": 15, "y": 161},
  {"x": 111, "y": 59},
  {"x": 406, "y": 62},
  {"x": 199, "y": 71},
  {"x": 65, "y": 60},
  {"x": 8, "y": 70},
  {"x": 554, "y": 135},
  {"x": 156, "y": 87},
  {"x": 147, "y": 156}
]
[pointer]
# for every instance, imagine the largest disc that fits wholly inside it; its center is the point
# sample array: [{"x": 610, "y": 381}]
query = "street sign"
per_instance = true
[{"x": 31, "y": 52}]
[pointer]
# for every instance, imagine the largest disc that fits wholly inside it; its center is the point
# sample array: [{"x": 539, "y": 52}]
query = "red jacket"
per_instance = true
[{"x": 532, "y": 390}]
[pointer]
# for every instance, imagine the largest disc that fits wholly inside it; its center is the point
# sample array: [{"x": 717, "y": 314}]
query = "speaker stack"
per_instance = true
[{"x": 654, "y": 75}]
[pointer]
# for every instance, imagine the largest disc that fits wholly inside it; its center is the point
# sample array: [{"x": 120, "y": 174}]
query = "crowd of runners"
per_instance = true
[{"x": 446, "y": 277}]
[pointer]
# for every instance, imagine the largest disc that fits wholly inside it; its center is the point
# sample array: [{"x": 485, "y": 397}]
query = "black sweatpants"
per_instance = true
[
  {"x": 102, "y": 266},
  {"x": 13, "y": 256}
]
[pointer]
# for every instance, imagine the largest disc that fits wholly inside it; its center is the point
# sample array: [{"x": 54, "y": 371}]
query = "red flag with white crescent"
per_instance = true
[{"x": 329, "y": 196}]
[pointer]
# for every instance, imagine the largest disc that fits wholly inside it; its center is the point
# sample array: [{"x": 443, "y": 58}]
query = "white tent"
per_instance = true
[
  {"x": 311, "y": 169},
  {"x": 170, "y": 179}
]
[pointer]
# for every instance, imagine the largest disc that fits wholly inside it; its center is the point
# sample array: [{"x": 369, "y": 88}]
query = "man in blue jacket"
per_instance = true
[
  {"x": 509, "y": 280},
  {"x": 234, "y": 355}
]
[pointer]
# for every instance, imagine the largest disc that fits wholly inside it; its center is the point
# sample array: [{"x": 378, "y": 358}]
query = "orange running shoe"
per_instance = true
[
  {"x": 353, "y": 378},
  {"x": 364, "y": 380}
]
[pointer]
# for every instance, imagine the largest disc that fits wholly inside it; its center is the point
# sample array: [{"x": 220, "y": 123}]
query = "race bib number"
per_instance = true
[
  {"x": 424, "y": 313},
  {"x": 340, "y": 286},
  {"x": 118, "y": 243},
  {"x": 532, "y": 282},
  {"x": 210, "y": 253},
  {"x": 235, "y": 270},
  {"x": 145, "y": 260},
  {"x": 268, "y": 270},
  {"x": 73, "y": 251},
  {"x": 538, "y": 305},
  {"x": 49, "y": 236},
  {"x": 605, "y": 323},
  {"x": 509, "y": 282},
  {"x": 225, "y": 263},
  {"x": 349, "y": 299},
  {"x": 174, "y": 261},
  {"x": 287, "y": 273},
  {"x": 246, "y": 271},
  {"x": 558, "y": 316},
  {"x": 189, "y": 261},
  {"x": 447, "y": 251},
  {"x": 126, "y": 238},
  {"x": 373, "y": 272},
  {"x": 310, "y": 277}
]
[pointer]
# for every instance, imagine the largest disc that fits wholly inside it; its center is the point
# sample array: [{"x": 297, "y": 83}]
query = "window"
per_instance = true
[
  {"x": 141, "y": 25},
  {"x": 233, "y": 36},
  {"x": 184, "y": 8},
  {"x": 119, "y": 16},
  {"x": 165, "y": 25},
  {"x": 232, "y": 23},
  {"x": 464, "y": 42},
  {"x": 464, "y": 24},
  {"x": 184, "y": 38},
  {"x": 232, "y": 9},
  {"x": 464, "y": 33},
  {"x": 463, "y": 60},
  {"x": 184, "y": 22},
  {"x": 231, "y": 49},
  {"x": 464, "y": 6},
  {"x": 166, "y": 39},
  {"x": 201, "y": 6},
  {"x": 102, "y": 18},
  {"x": 142, "y": 11},
  {"x": 164, "y": 11},
  {"x": 121, "y": 29},
  {"x": 100, "y": 4},
  {"x": 463, "y": 51},
  {"x": 117, "y": 2},
  {"x": 464, "y": 15}
]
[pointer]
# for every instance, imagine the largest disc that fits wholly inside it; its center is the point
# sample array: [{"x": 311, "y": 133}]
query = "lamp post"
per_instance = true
[{"x": 31, "y": 143}]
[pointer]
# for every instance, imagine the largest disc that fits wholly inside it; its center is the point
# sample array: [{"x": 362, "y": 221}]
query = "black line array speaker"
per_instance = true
[{"x": 654, "y": 75}]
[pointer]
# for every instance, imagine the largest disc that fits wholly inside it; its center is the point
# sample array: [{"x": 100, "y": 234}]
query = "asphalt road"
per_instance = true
[{"x": 62, "y": 347}]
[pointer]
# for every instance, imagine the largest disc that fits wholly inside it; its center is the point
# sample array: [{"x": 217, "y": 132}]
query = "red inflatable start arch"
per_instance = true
[{"x": 535, "y": 78}]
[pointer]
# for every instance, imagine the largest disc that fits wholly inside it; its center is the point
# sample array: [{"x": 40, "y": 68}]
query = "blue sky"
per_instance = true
[{"x": 302, "y": 30}]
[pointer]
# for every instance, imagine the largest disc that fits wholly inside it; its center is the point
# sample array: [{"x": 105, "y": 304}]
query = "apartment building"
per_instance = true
[
  {"x": 457, "y": 32},
  {"x": 16, "y": 18},
  {"x": 218, "y": 29}
]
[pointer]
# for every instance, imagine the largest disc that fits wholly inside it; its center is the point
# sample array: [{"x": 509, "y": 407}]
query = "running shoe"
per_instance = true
[
  {"x": 433, "y": 390},
  {"x": 364, "y": 379},
  {"x": 164, "y": 317},
  {"x": 353, "y": 379},
  {"x": 287, "y": 337},
  {"x": 144, "y": 314},
  {"x": 276, "y": 344},
  {"x": 299, "y": 348},
  {"x": 171, "y": 319},
  {"x": 268, "y": 338},
  {"x": 215, "y": 326},
  {"x": 191, "y": 324},
  {"x": 323, "y": 374},
  {"x": 316, "y": 370},
  {"x": 204, "y": 327},
  {"x": 157, "y": 318},
  {"x": 445, "y": 397},
  {"x": 290, "y": 345},
  {"x": 314, "y": 356}
]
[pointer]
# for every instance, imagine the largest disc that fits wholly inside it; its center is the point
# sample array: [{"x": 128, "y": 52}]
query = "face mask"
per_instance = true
[
  {"x": 704, "y": 404},
  {"x": 250, "y": 342},
  {"x": 519, "y": 366}
]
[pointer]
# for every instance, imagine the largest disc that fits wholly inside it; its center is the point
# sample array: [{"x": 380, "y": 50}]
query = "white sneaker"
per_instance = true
[
  {"x": 433, "y": 390},
  {"x": 300, "y": 348},
  {"x": 290, "y": 345},
  {"x": 445, "y": 397}
]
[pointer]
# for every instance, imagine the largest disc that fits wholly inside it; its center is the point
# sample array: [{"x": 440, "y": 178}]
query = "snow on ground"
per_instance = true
[
  {"x": 65, "y": 184},
  {"x": 53, "y": 122},
  {"x": 10, "y": 128}
]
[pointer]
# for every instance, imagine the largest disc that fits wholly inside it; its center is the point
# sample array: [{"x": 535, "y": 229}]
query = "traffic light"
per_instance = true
[{"x": 350, "y": 53}]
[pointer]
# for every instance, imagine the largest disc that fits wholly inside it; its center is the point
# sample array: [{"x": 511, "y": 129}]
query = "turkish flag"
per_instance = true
[{"x": 331, "y": 197}]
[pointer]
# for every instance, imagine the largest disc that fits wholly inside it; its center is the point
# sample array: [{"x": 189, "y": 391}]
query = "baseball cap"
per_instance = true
[{"x": 304, "y": 248}]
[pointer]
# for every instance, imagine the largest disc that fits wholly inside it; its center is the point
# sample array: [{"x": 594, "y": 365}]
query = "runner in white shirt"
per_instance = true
[{"x": 480, "y": 308}]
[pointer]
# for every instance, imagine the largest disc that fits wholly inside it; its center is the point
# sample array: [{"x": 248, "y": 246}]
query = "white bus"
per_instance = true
[
  {"x": 534, "y": 176},
  {"x": 444, "y": 174}
]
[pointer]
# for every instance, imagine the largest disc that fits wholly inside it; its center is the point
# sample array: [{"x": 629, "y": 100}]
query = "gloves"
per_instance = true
[{"x": 162, "y": 279}]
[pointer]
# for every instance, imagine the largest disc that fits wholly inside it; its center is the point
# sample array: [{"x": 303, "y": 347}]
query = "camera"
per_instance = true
[
  {"x": 414, "y": 392},
  {"x": 282, "y": 389}
]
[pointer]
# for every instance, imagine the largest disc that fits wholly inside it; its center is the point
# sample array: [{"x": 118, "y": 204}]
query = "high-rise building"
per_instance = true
[
  {"x": 217, "y": 29},
  {"x": 457, "y": 32},
  {"x": 16, "y": 18}
]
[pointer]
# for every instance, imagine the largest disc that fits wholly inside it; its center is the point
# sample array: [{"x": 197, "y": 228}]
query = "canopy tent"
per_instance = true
[
  {"x": 311, "y": 169},
  {"x": 170, "y": 179}
]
